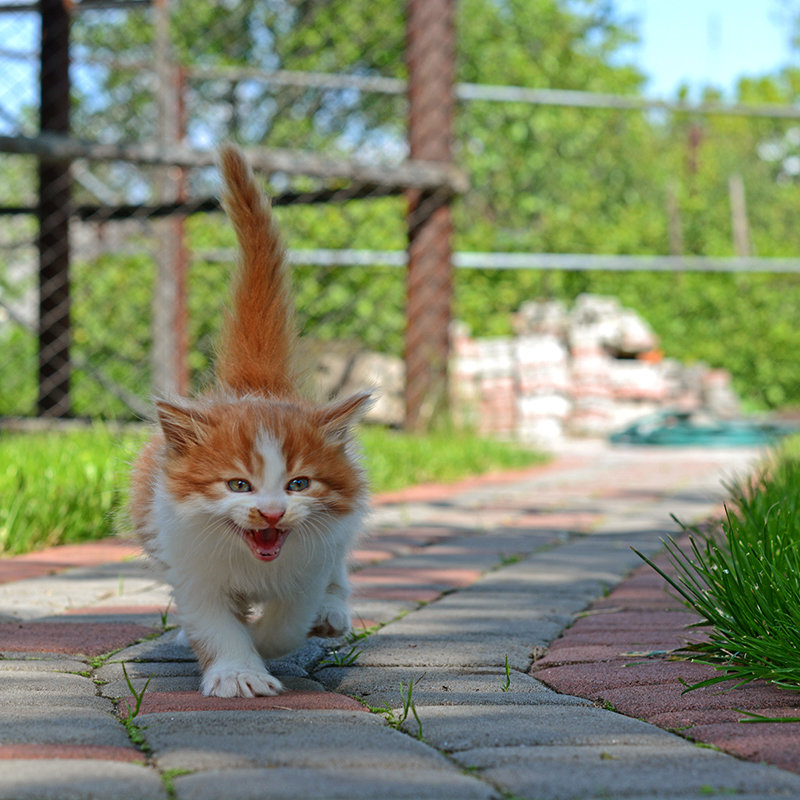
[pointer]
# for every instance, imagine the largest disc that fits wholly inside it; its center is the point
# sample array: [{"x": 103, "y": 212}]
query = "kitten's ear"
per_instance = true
[
  {"x": 182, "y": 426},
  {"x": 338, "y": 418}
]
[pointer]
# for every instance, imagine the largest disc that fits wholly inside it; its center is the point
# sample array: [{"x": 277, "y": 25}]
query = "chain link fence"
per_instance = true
[
  {"x": 117, "y": 292},
  {"x": 114, "y": 257}
]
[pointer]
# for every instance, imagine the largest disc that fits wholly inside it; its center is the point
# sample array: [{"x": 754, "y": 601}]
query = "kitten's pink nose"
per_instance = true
[{"x": 272, "y": 517}]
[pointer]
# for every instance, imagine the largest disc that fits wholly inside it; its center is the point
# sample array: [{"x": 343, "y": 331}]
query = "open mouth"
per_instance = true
[{"x": 264, "y": 544}]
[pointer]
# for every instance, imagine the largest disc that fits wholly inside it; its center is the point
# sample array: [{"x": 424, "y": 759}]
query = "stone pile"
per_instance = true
[{"x": 588, "y": 370}]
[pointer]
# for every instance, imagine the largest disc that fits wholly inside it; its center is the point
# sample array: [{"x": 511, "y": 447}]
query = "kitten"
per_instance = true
[{"x": 251, "y": 495}]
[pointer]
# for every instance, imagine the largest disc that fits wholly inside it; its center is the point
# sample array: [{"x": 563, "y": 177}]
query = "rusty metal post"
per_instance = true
[
  {"x": 53, "y": 216},
  {"x": 170, "y": 340},
  {"x": 430, "y": 56}
]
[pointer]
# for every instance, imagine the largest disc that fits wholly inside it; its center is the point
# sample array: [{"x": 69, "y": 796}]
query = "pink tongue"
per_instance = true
[
  {"x": 266, "y": 539},
  {"x": 266, "y": 544}
]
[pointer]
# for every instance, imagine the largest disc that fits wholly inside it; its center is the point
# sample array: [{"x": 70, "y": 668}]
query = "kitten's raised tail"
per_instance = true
[{"x": 256, "y": 343}]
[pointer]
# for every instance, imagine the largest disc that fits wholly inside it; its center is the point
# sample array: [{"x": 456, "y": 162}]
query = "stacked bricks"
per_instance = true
[
  {"x": 543, "y": 382},
  {"x": 591, "y": 384},
  {"x": 588, "y": 372},
  {"x": 483, "y": 380}
]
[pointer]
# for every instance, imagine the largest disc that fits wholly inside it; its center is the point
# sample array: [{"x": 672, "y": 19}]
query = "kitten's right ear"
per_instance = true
[{"x": 183, "y": 427}]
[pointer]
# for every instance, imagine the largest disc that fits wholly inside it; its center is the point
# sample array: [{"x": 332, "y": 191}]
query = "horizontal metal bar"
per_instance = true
[
  {"x": 492, "y": 93},
  {"x": 623, "y": 263},
  {"x": 110, "y": 212},
  {"x": 538, "y": 261},
  {"x": 301, "y": 79},
  {"x": 320, "y": 257},
  {"x": 424, "y": 175},
  {"x": 83, "y": 5},
  {"x": 565, "y": 97}
]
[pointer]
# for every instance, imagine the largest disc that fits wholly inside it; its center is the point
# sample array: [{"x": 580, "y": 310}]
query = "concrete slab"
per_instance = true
[
  {"x": 467, "y": 727},
  {"x": 60, "y": 723},
  {"x": 385, "y": 649},
  {"x": 202, "y": 740},
  {"x": 53, "y": 663},
  {"x": 40, "y": 688},
  {"x": 365, "y": 783},
  {"x": 78, "y": 779},
  {"x": 648, "y": 770},
  {"x": 525, "y": 626},
  {"x": 380, "y": 686},
  {"x": 112, "y": 671}
]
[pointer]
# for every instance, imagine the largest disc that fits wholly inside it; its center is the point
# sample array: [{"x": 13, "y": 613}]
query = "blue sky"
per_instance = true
[{"x": 702, "y": 42}]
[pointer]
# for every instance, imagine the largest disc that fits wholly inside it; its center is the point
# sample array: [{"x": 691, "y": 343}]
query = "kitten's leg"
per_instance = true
[
  {"x": 229, "y": 661},
  {"x": 333, "y": 615},
  {"x": 283, "y": 626}
]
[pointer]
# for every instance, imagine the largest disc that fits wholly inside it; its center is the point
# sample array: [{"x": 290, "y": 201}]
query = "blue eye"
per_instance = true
[
  {"x": 297, "y": 485},
  {"x": 239, "y": 485}
]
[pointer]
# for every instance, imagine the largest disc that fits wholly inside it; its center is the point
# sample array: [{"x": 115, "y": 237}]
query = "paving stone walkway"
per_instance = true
[{"x": 466, "y": 595}]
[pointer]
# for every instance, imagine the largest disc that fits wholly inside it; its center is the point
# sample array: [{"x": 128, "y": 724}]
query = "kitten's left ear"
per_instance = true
[
  {"x": 182, "y": 426},
  {"x": 339, "y": 417}
]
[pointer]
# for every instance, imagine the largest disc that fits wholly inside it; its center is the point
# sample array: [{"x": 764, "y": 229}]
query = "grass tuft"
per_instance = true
[{"x": 744, "y": 580}]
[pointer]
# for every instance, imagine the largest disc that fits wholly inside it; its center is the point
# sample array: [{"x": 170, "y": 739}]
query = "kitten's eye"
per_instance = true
[
  {"x": 297, "y": 485},
  {"x": 239, "y": 485}
]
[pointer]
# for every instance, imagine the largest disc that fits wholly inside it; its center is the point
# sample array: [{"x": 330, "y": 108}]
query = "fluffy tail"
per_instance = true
[{"x": 258, "y": 336}]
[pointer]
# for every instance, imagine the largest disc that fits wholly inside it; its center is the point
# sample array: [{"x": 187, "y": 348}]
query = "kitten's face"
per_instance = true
[{"x": 263, "y": 469}]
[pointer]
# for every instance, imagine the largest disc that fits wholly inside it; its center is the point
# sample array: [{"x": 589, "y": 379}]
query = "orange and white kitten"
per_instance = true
[{"x": 249, "y": 497}]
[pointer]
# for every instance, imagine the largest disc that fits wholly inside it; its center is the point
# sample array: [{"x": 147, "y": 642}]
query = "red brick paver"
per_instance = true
[
  {"x": 75, "y": 638},
  {"x": 619, "y": 656},
  {"x": 71, "y": 751},
  {"x": 156, "y": 702}
]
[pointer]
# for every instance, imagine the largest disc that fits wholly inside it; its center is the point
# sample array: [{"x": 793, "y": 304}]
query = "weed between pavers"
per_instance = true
[
  {"x": 168, "y": 779},
  {"x": 506, "y": 686},
  {"x": 165, "y": 626},
  {"x": 338, "y": 659},
  {"x": 134, "y": 732},
  {"x": 396, "y": 719}
]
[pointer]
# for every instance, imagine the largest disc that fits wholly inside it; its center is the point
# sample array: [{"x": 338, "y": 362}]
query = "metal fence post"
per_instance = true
[
  {"x": 53, "y": 215},
  {"x": 430, "y": 55},
  {"x": 169, "y": 356}
]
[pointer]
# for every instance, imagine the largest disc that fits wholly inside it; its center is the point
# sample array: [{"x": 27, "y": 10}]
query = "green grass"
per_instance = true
[
  {"x": 395, "y": 460},
  {"x": 744, "y": 579},
  {"x": 57, "y": 488},
  {"x": 69, "y": 486}
]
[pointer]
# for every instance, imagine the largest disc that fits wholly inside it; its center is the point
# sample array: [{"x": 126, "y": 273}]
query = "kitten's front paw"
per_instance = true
[
  {"x": 332, "y": 622},
  {"x": 232, "y": 681}
]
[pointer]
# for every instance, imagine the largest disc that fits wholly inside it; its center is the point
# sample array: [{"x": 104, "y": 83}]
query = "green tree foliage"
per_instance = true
[{"x": 543, "y": 178}]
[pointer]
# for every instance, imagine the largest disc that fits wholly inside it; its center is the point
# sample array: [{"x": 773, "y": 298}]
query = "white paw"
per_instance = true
[
  {"x": 331, "y": 622},
  {"x": 233, "y": 681}
]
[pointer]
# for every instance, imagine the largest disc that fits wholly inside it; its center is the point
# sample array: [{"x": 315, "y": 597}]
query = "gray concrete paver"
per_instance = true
[
  {"x": 331, "y": 783},
  {"x": 77, "y": 779},
  {"x": 574, "y": 772},
  {"x": 33, "y": 688},
  {"x": 76, "y": 723},
  {"x": 383, "y": 686},
  {"x": 196, "y": 740},
  {"x": 479, "y": 726},
  {"x": 479, "y": 741},
  {"x": 50, "y": 664}
]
